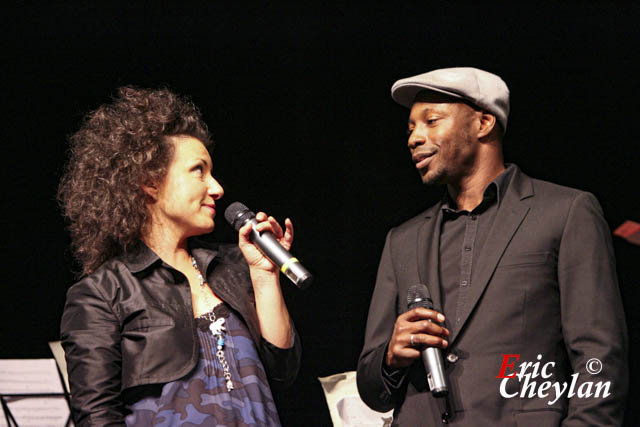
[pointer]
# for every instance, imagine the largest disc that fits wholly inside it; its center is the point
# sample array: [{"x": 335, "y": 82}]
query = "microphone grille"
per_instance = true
[
  {"x": 419, "y": 296},
  {"x": 235, "y": 211}
]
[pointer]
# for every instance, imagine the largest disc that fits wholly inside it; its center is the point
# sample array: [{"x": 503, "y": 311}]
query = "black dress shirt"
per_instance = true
[{"x": 461, "y": 240}]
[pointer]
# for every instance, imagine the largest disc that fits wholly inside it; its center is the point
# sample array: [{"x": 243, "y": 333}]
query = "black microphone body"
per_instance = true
[
  {"x": 238, "y": 215},
  {"x": 419, "y": 296}
]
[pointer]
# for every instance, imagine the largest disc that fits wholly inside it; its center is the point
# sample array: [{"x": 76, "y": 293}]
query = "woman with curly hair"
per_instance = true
[{"x": 164, "y": 329}]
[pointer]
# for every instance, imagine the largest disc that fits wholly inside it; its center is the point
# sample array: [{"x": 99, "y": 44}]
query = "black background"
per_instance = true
[{"x": 297, "y": 98}]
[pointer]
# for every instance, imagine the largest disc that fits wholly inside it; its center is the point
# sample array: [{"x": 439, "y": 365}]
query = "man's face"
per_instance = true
[{"x": 441, "y": 138}]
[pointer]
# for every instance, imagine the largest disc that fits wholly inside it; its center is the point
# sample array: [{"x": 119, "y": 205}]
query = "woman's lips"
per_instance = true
[{"x": 211, "y": 207}]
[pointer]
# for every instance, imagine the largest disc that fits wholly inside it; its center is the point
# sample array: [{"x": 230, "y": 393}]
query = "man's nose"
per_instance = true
[{"x": 417, "y": 137}]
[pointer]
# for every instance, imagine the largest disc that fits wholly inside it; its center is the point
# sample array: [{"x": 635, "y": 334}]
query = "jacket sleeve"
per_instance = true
[
  {"x": 593, "y": 322},
  {"x": 281, "y": 364},
  {"x": 373, "y": 388},
  {"x": 90, "y": 333}
]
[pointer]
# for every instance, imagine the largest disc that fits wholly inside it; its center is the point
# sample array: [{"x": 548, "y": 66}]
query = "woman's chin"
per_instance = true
[
  {"x": 202, "y": 229},
  {"x": 207, "y": 230}
]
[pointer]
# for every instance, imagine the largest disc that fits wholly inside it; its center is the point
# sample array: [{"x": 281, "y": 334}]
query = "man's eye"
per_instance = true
[{"x": 431, "y": 121}]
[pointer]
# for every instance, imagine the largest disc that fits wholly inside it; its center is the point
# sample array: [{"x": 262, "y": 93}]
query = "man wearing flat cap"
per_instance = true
[{"x": 526, "y": 307}]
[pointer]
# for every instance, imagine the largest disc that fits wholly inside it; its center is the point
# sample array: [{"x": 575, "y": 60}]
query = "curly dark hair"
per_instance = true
[{"x": 120, "y": 147}]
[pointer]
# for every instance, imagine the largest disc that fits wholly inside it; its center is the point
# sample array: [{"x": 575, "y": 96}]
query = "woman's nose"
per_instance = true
[{"x": 215, "y": 189}]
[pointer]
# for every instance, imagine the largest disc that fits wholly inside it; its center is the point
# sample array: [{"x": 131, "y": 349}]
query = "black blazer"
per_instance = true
[
  {"x": 131, "y": 324},
  {"x": 545, "y": 284}
]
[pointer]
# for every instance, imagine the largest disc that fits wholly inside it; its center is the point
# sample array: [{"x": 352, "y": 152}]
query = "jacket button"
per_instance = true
[{"x": 452, "y": 358}]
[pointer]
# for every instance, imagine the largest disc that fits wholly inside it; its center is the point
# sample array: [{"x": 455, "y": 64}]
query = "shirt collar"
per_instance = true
[
  {"x": 143, "y": 257},
  {"x": 140, "y": 258},
  {"x": 495, "y": 191},
  {"x": 502, "y": 181}
]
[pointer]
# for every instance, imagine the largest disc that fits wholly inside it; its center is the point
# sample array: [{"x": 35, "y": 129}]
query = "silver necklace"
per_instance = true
[
  {"x": 217, "y": 328},
  {"x": 203, "y": 284}
]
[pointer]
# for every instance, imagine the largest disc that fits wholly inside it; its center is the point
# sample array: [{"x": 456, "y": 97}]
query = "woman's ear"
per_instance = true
[
  {"x": 487, "y": 123},
  {"x": 151, "y": 190}
]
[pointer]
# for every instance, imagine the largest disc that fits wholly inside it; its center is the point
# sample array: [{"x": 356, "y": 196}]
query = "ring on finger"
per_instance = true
[{"x": 411, "y": 341}]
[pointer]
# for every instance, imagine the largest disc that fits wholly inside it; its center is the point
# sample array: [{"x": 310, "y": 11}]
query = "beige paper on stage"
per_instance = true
[{"x": 345, "y": 405}]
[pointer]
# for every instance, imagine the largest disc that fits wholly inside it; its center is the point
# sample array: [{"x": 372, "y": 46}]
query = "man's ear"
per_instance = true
[{"x": 487, "y": 123}]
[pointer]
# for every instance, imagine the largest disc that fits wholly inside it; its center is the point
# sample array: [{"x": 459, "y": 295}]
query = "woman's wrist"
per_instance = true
[{"x": 261, "y": 277}]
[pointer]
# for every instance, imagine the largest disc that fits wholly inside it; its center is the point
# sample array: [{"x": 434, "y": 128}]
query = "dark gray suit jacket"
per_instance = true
[{"x": 545, "y": 284}]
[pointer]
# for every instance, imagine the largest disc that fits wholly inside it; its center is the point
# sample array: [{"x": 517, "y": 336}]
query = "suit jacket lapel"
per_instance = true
[
  {"x": 510, "y": 215},
  {"x": 428, "y": 253}
]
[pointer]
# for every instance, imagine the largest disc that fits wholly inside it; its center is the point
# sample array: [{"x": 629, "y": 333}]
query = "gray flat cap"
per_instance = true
[{"x": 481, "y": 88}]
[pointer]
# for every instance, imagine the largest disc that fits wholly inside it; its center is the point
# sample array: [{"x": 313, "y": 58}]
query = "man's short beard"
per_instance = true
[{"x": 438, "y": 177}]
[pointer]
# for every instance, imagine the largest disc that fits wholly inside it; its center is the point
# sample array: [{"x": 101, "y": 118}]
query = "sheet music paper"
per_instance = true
[
  {"x": 58, "y": 355},
  {"x": 345, "y": 406},
  {"x": 18, "y": 376}
]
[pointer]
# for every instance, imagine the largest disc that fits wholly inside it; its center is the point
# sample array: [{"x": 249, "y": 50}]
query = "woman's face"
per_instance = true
[{"x": 185, "y": 201}]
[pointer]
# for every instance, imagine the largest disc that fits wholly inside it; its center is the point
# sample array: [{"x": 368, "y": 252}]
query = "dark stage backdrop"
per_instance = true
[{"x": 298, "y": 101}]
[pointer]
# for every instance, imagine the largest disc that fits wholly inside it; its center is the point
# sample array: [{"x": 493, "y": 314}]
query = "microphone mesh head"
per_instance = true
[
  {"x": 419, "y": 296},
  {"x": 236, "y": 211}
]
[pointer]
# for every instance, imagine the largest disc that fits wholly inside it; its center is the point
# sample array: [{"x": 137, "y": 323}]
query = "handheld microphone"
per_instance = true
[
  {"x": 419, "y": 296},
  {"x": 237, "y": 215}
]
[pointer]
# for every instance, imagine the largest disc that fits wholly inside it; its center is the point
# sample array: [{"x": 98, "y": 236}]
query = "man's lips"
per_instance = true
[
  {"x": 210, "y": 206},
  {"x": 422, "y": 159}
]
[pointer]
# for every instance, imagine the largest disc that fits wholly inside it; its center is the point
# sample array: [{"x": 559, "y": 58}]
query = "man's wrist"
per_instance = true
[{"x": 393, "y": 377}]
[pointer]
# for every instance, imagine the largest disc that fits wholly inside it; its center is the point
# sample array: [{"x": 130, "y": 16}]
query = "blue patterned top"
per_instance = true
[{"x": 201, "y": 398}]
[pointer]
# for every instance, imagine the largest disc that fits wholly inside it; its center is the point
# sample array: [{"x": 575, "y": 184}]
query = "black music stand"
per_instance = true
[{"x": 7, "y": 397}]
